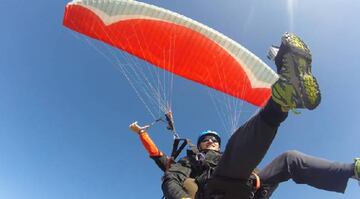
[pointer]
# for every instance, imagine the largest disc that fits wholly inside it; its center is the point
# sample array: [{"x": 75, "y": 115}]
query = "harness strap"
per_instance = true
[
  {"x": 176, "y": 150},
  {"x": 192, "y": 147},
  {"x": 169, "y": 161}
]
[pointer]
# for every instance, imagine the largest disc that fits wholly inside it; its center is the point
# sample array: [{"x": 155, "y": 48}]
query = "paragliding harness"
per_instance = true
[
  {"x": 222, "y": 187},
  {"x": 228, "y": 188}
]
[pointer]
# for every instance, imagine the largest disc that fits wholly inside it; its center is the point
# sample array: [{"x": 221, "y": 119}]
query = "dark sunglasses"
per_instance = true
[{"x": 208, "y": 138}]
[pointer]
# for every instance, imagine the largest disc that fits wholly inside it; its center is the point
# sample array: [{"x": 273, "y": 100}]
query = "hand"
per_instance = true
[{"x": 138, "y": 129}]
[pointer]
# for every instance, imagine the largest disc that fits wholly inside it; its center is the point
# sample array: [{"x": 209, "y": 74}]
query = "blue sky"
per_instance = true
[{"x": 65, "y": 111}]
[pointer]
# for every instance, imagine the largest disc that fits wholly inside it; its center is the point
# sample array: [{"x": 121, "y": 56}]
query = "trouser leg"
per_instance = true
[
  {"x": 248, "y": 145},
  {"x": 244, "y": 151},
  {"x": 305, "y": 169}
]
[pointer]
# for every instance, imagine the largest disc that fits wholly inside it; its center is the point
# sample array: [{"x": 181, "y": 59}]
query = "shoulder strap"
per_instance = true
[{"x": 176, "y": 150}]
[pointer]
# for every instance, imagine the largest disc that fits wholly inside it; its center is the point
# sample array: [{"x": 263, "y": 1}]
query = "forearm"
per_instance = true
[
  {"x": 149, "y": 145},
  {"x": 161, "y": 161}
]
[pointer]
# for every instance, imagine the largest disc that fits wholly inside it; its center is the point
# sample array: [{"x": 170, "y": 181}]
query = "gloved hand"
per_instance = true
[{"x": 138, "y": 129}]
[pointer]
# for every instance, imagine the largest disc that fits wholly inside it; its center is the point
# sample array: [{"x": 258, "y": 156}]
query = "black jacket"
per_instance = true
[{"x": 197, "y": 166}]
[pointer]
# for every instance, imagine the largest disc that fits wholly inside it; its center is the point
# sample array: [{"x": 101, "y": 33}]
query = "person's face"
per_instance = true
[{"x": 209, "y": 143}]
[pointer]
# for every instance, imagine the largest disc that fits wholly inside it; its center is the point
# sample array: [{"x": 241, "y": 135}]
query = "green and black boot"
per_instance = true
[
  {"x": 296, "y": 87},
  {"x": 357, "y": 169}
]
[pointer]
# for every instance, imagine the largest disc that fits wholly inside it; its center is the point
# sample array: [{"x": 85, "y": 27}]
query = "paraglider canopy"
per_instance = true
[{"x": 174, "y": 43}]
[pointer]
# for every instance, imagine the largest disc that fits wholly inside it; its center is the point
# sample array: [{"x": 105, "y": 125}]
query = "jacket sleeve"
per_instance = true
[
  {"x": 174, "y": 178},
  {"x": 161, "y": 161},
  {"x": 149, "y": 145},
  {"x": 159, "y": 157}
]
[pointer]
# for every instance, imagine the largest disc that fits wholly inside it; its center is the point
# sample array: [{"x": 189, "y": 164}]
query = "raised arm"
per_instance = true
[{"x": 159, "y": 157}]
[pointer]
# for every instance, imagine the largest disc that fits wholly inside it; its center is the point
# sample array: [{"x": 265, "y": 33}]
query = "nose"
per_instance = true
[{"x": 211, "y": 140}]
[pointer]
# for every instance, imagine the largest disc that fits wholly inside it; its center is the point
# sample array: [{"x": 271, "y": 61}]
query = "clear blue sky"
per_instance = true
[{"x": 65, "y": 111}]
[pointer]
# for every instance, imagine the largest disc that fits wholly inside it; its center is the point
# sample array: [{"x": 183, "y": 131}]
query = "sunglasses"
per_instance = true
[{"x": 208, "y": 138}]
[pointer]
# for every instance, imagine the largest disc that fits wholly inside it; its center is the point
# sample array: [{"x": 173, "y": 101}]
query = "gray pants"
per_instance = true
[
  {"x": 304, "y": 169},
  {"x": 249, "y": 144}
]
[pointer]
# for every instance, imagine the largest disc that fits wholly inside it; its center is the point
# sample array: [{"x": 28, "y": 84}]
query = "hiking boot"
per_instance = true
[
  {"x": 296, "y": 87},
  {"x": 357, "y": 168}
]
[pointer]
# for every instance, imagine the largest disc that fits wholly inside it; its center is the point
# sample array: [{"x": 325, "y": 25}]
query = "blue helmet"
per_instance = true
[{"x": 206, "y": 133}]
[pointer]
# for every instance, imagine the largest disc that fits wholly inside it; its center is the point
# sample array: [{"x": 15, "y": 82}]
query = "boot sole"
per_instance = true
[{"x": 309, "y": 88}]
